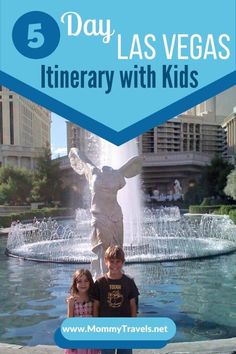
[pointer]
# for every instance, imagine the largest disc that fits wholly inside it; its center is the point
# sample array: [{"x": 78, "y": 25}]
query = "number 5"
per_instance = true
[{"x": 35, "y": 37}]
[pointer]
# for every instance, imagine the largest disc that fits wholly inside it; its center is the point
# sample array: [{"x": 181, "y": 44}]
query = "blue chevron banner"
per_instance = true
[{"x": 118, "y": 68}]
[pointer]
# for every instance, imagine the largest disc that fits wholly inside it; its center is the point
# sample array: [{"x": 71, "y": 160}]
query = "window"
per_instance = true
[
  {"x": 191, "y": 145},
  {"x": 197, "y": 145},
  {"x": 197, "y": 128},
  {"x": 185, "y": 145},
  {"x": 11, "y": 123}
]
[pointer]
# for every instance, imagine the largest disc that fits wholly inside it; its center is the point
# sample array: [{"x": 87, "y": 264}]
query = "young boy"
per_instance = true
[{"x": 115, "y": 294}]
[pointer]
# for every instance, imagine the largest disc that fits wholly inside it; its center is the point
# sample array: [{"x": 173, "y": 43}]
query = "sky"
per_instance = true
[{"x": 58, "y": 136}]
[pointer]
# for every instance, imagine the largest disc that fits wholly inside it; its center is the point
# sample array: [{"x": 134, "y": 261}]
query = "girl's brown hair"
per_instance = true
[{"x": 78, "y": 274}]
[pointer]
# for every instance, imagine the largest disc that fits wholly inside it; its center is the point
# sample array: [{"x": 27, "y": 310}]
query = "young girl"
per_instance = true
[{"x": 80, "y": 303}]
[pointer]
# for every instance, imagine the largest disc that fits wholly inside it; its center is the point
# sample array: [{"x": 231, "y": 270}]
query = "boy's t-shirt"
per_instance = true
[{"x": 114, "y": 295}]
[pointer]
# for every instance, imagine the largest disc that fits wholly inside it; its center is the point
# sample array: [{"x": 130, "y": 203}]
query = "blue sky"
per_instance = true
[{"x": 58, "y": 136}]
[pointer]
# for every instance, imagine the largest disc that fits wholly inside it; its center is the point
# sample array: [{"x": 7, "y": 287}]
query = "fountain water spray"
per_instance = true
[{"x": 162, "y": 240}]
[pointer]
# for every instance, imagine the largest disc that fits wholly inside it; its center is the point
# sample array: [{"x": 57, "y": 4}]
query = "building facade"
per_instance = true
[
  {"x": 229, "y": 125},
  {"x": 83, "y": 140},
  {"x": 180, "y": 148},
  {"x": 24, "y": 130}
]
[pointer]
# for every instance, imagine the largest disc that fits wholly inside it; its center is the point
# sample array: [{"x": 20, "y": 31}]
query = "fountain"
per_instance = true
[{"x": 153, "y": 235}]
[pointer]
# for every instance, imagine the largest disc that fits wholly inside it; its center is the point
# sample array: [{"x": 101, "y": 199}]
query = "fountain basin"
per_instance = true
[
  {"x": 162, "y": 239},
  {"x": 198, "y": 295},
  {"x": 184, "y": 248}
]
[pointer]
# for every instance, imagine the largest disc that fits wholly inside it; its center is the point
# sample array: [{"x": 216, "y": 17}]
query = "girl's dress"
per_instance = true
[{"x": 83, "y": 310}]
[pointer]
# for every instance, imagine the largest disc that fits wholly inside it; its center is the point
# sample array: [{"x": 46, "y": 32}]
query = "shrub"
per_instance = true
[
  {"x": 232, "y": 215},
  {"x": 230, "y": 188},
  {"x": 200, "y": 209},
  {"x": 225, "y": 209}
]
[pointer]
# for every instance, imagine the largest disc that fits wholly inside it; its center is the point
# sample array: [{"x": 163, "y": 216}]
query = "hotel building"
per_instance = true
[
  {"x": 24, "y": 130},
  {"x": 229, "y": 125},
  {"x": 181, "y": 147}
]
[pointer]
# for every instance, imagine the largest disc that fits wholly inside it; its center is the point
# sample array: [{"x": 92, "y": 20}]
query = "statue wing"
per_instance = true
[
  {"x": 81, "y": 163},
  {"x": 132, "y": 167}
]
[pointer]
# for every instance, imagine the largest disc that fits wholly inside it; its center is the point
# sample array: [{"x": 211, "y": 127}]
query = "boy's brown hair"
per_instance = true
[{"x": 114, "y": 252}]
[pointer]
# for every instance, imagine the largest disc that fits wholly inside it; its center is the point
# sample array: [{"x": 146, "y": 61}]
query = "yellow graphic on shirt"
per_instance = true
[{"x": 115, "y": 298}]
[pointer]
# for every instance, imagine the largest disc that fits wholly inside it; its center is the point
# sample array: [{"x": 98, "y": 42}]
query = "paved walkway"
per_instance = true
[{"x": 223, "y": 346}]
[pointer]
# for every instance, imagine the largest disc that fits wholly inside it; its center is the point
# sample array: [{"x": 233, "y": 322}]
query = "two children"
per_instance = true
[{"x": 114, "y": 295}]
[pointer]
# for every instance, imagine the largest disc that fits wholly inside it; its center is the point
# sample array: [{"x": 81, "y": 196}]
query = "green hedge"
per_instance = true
[
  {"x": 232, "y": 215},
  {"x": 225, "y": 209},
  {"x": 216, "y": 209},
  {"x": 200, "y": 209},
  {"x": 6, "y": 220}
]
